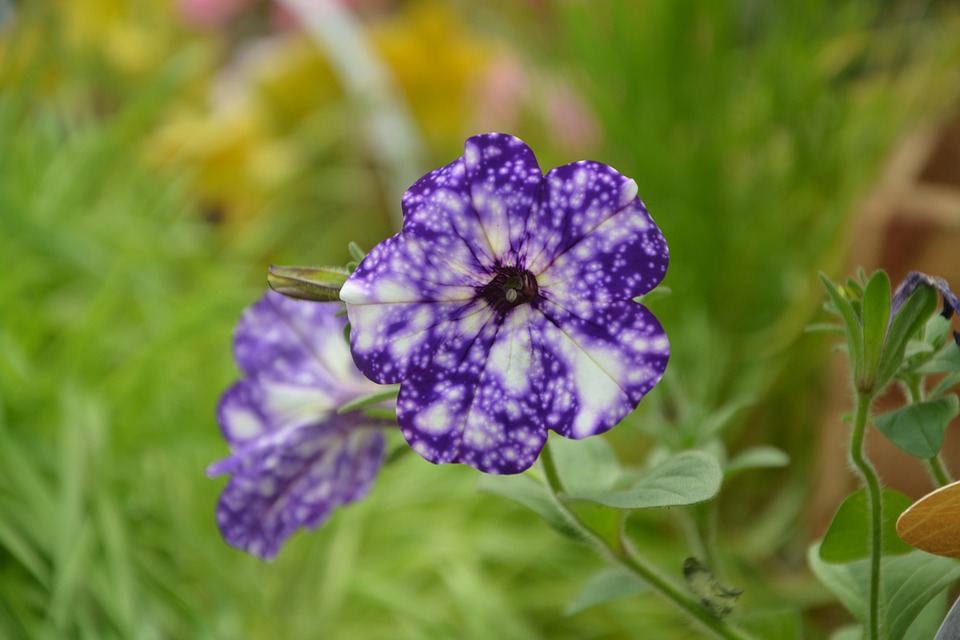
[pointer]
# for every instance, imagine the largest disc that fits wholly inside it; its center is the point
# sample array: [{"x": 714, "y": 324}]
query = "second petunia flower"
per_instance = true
[{"x": 505, "y": 306}]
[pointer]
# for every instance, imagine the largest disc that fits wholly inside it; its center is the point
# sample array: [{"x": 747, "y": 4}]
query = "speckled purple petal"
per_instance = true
[
  {"x": 254, "y": 408},
  {"x": 623, "y": 257},
  {"x": 387, "y": 299},
  {"x": 549, "y": 338},
  {"x": 296, "y": 481},
  {"x": 293, "y": 341},
  {"x": 407, "y": 268},
  {"x": 388, "y": 340},
  {"x": 600, "y": 360},
  {"x": 488, "y": 398},
  {"x": 294, "y": 459},
  {"x": 575, "y": 202},
  {"x": 476, "y": 401},
  {"x": 482, "y": 199}
]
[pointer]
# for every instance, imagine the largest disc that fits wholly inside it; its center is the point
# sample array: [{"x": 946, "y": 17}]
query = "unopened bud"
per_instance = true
[{"x": 318, "y": 284}]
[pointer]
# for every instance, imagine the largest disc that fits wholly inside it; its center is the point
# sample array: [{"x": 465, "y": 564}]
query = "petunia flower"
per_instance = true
[
  {"x": 505, "y": 308},
  {"x": 294, "y": 458},
  {"x": 915, "y": 280}
]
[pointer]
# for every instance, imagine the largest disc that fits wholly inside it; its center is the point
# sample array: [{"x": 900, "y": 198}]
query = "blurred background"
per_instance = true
[{"x": 157, "y": 155}]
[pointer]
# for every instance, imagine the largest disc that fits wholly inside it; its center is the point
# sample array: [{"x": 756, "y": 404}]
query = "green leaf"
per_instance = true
[
  {"x": 852, "y": 325},
  {"x": 317, "y": 284},
  {"x": 910, "y": 582},
  {"x": 606, "y": 586},
  {"x": 389, "y": 393},
  {"x": 657, "y": 294},
  {"x": 356, "y": 252},
  {"x": 718, "y": 420},
  {"x": 847, "y": 538},
  {"x": 947, "y": 361},
  {"x": 928, "y": 621},
  {"x": 875, "y": 317},
  {"x": 764, "y": 457},
  {"x": 853, "y": 632},
  {"x": 936, "y": 331},
  {"x": 919, "y": 429},
  {"x": 823, "y": 327},
  {"x": 912, "y": 316},
  {"x": 782, "y": 624},
  {"x": 917, "y": 351},
  {"x": 380, "y": 413},
  {"x": 687, "y": 478},
  {"x": 585, "y": 466},
  {"x": 533, "y": 495},
  {"x": 948, "y": 382}
]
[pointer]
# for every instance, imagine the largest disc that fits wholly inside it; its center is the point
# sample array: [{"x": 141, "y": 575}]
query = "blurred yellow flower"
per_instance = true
[
  {"x": 437, "y": 62},
  {"x": 238, "y": 161},
  {"x": 289, "y": 78},
  {"x": 131, "y": 36},
  {"x": 256, "y": 137}
]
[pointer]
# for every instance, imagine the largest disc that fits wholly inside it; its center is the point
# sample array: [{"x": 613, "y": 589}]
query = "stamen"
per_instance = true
[{"x": 510, "y": 287}]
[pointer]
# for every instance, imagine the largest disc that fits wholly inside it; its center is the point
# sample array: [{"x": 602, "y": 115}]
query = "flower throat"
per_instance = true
[{"x": 509, "y": 288}]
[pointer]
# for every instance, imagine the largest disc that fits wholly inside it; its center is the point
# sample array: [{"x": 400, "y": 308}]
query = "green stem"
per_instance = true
[
  {"x": 875, "y": 507},
  {"x": 938, "y": 471},
  {"x": 623, "y": 555}
]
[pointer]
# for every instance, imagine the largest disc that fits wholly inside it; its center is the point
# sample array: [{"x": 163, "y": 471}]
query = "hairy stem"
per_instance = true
[
  {"x": 875, "y": 507},
  {"x": 623, "y": 555},
  {"x": 938, "y": 471}
]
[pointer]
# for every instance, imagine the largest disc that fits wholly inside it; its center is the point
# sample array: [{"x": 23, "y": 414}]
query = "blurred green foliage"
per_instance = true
[{"x": 750, "y": 128}]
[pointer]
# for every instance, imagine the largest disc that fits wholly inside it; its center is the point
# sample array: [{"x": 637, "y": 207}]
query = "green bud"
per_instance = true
[{"x": 318, "y": 284}]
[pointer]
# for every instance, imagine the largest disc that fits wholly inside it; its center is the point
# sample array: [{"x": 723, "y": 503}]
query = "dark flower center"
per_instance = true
[{"x": 509, "y": 288}]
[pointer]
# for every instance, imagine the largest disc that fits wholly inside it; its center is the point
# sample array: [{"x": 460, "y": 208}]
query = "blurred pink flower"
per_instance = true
[
  {"x": 499, "y": 101},
  {"x": 569, "y": 118},
  {"x": 209, "y": 14},
  {"x": 511, "y": 92}
]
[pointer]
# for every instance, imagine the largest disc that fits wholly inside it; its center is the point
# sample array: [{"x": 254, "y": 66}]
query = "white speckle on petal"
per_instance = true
[
  {"x": 436, "y": 419},
  {"x": 243, "y": 424}
]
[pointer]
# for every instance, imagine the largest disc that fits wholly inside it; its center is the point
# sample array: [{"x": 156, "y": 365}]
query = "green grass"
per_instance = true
[{"x": 751, "y": 134}]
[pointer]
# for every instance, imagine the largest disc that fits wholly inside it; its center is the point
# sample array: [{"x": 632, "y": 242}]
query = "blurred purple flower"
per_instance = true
[
  {"x": 294, "y": 458},
  {"x": 505, "y": 306}
]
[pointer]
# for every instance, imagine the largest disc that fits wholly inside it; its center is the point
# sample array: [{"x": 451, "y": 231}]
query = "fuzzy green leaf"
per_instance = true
[
  {"x": 936, "y": 331},
  {"x": 851, "y": 323},
  {"x": 652, "y": 296},
  {"x": 912, "y": 316},
  {"x": 606, "y": 586},
  {"x": 847, "y": 538},
  {"x": 687, "y": 478},
  {"x": 874, "y": 319},
  {"x": 947, "y": 361},
  {"x": 910, "y": 582},
  {"x": 782, "y": 624},
  {"x": 919, "y": 429},
  {"x": 356, "y": 252},
  {"x": 533, "y": 495},
  {"x": 853, "y": 632},
  {"x": 947, "y": 383},
  {"x": 951, "y": 624},
  {"x": 585, "y": 466},
  {"x": 764, "y": 457}
]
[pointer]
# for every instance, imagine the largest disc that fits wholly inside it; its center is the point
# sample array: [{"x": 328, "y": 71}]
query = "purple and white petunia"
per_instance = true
[
  {"x": 294, "y": 458},
  {"x": 505, "y": 306}
]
